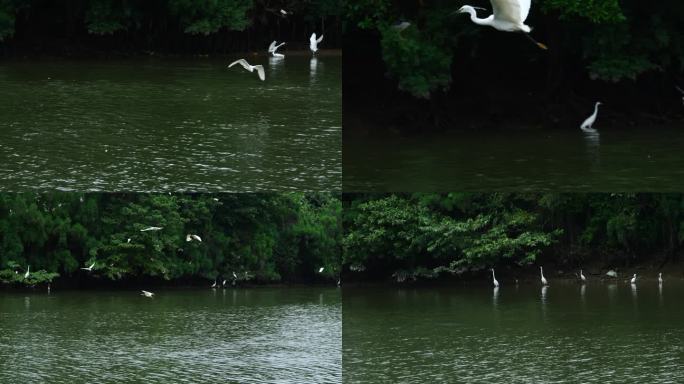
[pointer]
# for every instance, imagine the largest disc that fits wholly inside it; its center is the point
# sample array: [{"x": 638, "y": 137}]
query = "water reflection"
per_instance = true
[{"x": 313, "y": 65}]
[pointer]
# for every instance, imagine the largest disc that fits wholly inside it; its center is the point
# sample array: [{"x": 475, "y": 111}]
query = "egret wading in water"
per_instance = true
[
  {"x": 633, "y": 281},
  {"x": 660, "y": 278},
  {"x": 508, "y": 16},
  {"x": 588, "y": 124},
  {"x": 543, "y": 279},
  {"x": 273, "y": 49},
  {"x": 494, "y": 280},
  {"x": 147, "y": 294},
  {"x": 313, "y": 42},
  {"x": 584, "y": 279},
  {"x": 251, "y": 68}
]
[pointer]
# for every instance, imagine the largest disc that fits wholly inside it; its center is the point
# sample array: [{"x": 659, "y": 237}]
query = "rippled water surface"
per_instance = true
[
  {"x": 171, "y": 124},
  {"x": 604, "y": 333},
  {"x": 629, "y": 159},
  {"x": 225, "y": 336}
]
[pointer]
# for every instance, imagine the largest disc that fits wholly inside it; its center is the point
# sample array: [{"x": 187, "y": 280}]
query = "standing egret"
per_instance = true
[
  {"x": 214, "y": 285},
  {"x": 89, "y": 269},
  {"x": 508, "y": 16},
  {"x": 543, "y": 279},
  {"x": 496, "y": 282},
  {"x": 313, "y": 42},
  {"x": 146, "y": 294},
  {"x": 587, "y": 125},
  {"x": 584, "y": 279},
  {"x": 128, "y": 241},
  {"x": 234, "y": 275},
  {"x": 251, "y": 68},
  {"x": 633, "y": 281},
  {"x": 660, "y": 278},
  {"x": 224, "y": 283},
  {"x": 273, "y": 49},
  {"x": 26, "y": 275}
]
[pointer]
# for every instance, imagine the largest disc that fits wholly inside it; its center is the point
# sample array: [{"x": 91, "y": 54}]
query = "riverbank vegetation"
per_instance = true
[
  {"x": 85, "y": 27},
  {"x": 426, "y": 236},
  {"x": 628, "y": 54},
  {"x": 262, "y": 238}
]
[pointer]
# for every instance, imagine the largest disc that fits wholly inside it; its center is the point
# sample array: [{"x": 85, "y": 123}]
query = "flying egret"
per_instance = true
[
  {"x": 494, "y": 280},
  {"x": 273, "y": 49},
  {"x": 612, "y": 273},
  {"x": 584, "y": 279},
  {"x": 633, "y": 281},
  {"x": 251, "y": 68},
  {"x": 587, "y": 126},
  {"x": 151, "y": 229},
  {"x": 313, "y": 42},
  {"x": 147, "y": 294},
  {"x": 320, "y": 270},
  {"x": 543, "y": 279},
  {"x": 660, "y": 278},
  {"x": 89, "y": 269},
  {"x": 26, "y": 275},
  {"x": 508, "y": 16}
]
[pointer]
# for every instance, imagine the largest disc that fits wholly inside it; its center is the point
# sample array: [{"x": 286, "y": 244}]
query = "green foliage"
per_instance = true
[
  {"x": 105, "y": 17},
  {"x": 7, "y": 16},
  {"x": 597, "y": 11},
  {"x": 266, "y": 238},
  {"x": 209, "y": 16}
]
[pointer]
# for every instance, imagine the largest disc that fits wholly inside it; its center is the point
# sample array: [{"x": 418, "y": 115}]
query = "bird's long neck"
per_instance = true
[
  {"x": 477, "y": 20},
  {"x": 596, "y": 109}
]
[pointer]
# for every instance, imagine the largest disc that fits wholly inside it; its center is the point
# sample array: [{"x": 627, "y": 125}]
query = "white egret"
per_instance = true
[
  {"x": 26, "y": 275},
  {"x": 313, "y": 42},
  {"x": 612, "y": 273},
  {"x": 273, "y": 49},
  {"x": 587, "y": 125},
  {"x": 508, "y": 16},
  {"x": 151, "y": 229},
  {"x": 214, "y": 285},
  {"x": 89, "y": 269},
  {"x": 320, "y": 270},
  {"x": 633, "y": 281},
  {"x": 251, "y": 68},
  {"x": 234, "y": 275},
  {"x": 283, "y": 12},
  {"x": 543, "y": 279},
  {"x": 190, "y": 237},
  {"x": 224, "y": 283},
  {"x": 494, "y": 280},
  {"x": 128, "y": 241},
  {"x": 147, "y": 294},
  {"x": 660, "y": 278},
  {"x": 582, "y": 276},
  {"x": 401, "y": 26}
]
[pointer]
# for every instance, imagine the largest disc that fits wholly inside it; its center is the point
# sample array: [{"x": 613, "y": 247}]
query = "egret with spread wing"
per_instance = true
[
  {"x": 314, "y": 41},
  {"x": 251, "y": 68},
  {"x": 273, "y": 49},
  {"x": 508, "y": 16}
]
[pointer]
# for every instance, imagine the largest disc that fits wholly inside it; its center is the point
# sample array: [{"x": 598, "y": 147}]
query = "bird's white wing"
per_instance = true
[
  {"x": 525, "y": 9},
  {"x": 508, "y": 10},
  {"x": 319, "y": 39},
  {"x": 260, "y": 70},
  {"x": 242, "y": 62},
  {"x": 272, "y": 47},
  {"x": 278, "y": 46}
]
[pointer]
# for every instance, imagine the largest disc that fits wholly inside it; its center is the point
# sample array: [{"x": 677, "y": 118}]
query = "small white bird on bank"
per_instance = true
[
  {"x": 494, "y": 280},
  {"x": 633, "y": 280},
  {"x": 89, "y": 269},
  {"x": 26, "y": 275},
  {"x": 273, "y": 49},
  {"x": 543, "y": 279},
  {"x": 190, "y": 237},
  {"x": 313, "y": 42},
  {"x": 508, "y": 16},
  {"x": 147, "y": 294},
  {"x": 660, "y": 278},
  {"x": 588, "y": 124},
  {"x": 612, "y": 274},
  {"x": 251, "y": 68},
  {"x": 148, "y": 229},
  {"x": 584, "y": 279},
  {"x": 320, "y": 270}
]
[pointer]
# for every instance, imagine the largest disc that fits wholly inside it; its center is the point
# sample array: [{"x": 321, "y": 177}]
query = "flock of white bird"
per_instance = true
[
  {"x": 314, "y": 40},
  {"x": 611, "y": 273}
]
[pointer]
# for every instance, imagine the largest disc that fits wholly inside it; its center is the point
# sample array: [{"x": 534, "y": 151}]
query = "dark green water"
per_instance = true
[
  {"x": 198, "y": 336},
  {"x": 604, "y": 333},
  {"x": 171, "y": 125},
  {"x": 625, "y": 160}
]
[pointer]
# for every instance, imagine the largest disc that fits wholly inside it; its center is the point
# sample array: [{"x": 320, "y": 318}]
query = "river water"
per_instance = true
[
  {"x": 171, "y": 125},
  {"x": 602, "y": 333},
  {"x": 262, "y": 335}
]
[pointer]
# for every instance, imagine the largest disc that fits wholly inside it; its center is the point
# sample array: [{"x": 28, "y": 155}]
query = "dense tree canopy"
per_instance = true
[
  {"x": 610, "y": 40},
  {"x": 423, "y": 235},
  {"x": 216, "y": 25},
  {"x": 262, "y": 238}
]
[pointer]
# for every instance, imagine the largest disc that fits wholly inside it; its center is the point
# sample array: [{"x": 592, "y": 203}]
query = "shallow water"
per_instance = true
[
  {"x": 630, "y": 159},
  {"x": 171, "y": 125},
  {"x": 224, "y": 336},
  {"x": 603, "y": 333}
]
